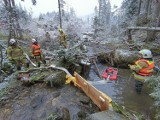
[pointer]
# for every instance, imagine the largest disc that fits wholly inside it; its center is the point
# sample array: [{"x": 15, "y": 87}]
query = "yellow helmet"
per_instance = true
[{"x": 60, "y": 30}]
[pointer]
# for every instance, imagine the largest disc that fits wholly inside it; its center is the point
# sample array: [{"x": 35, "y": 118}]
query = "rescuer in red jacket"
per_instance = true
[{"x": 36, "y": 53}]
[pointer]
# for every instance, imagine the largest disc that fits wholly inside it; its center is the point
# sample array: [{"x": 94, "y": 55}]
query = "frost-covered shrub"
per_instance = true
[{"x": 154, "y": 84}]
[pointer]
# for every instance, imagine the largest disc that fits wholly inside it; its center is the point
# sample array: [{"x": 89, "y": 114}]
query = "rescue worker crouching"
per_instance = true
[
  {"x": 142, "y": 68},
  {"x": 36, "y": 53},
  {"x": 63, "y": 38},
  {"x": 15, "y": 55}
]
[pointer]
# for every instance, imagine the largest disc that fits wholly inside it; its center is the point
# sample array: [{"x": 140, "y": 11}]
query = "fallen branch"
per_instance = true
[
  {"x": 46, "y": 68},
  {"x": 144, "y": 28},
  {"x": 97, "y": 68},
  {"x": 77, "y": 45},
  {"x": 34, "y": 69},
  {"x": 22, "y": 42}
]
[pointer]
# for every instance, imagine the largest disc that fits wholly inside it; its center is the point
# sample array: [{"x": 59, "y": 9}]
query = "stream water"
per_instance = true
[{"x": 123, "y": 91}]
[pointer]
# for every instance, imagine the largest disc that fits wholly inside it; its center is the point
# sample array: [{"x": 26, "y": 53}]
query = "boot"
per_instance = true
[
  {"x": 39, "y": 64},
  {"x": 138, "y": 86},
  {"x": 44, "y": 62},
  {"x": 27, "y": 65}
]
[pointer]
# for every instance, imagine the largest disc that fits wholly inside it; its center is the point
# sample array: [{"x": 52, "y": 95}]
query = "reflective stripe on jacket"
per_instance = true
[
  {"x": 36, "y": 50},
  {"x": 145, "y": 71}
]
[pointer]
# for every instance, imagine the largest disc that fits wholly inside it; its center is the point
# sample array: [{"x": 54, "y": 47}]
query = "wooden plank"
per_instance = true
[{"x": 99, "y": 98}]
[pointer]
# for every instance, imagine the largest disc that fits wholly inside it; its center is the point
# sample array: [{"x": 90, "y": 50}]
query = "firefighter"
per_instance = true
[
  {"x": 47, "y": 35},
  {"x": 47, "y": 42},
  {"x": 63, "y": 38},
  {"x": 36, "y": 53},
  {"x": 16, "y": 55},
  {"x": 142, "y": 68}
]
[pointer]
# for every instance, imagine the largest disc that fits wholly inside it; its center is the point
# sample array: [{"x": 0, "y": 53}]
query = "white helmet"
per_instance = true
[
  {"x": 146, "y": 53},
  {"x": 12, "y": 41},
  {"x": 34, "y": 40},
  {"x": 84, "y": 36}
]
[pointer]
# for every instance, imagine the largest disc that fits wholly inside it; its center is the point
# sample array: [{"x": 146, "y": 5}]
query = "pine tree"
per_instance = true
[{"x": 104, "y": 12}]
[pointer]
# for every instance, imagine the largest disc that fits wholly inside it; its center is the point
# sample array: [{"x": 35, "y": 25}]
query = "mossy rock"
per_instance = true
[
  {"x": 8, "y": 68},
  {"x": 131, "y": 115},
  {"x": 82, "y": 114},
  {"x": 56, "y": 79}
]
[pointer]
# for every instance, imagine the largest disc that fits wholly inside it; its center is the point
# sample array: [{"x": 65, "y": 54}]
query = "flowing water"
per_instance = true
[{"x": 123, "y": 91}]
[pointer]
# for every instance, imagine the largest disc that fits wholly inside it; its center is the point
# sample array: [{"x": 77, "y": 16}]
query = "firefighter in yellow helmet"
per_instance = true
[
  {"x": 16, "y": 55},
  {"x": 62, "y": 38},
  {"x": 36, "y": 53},
  {"x": 47, "y": 42},
  {"x": 142, "y": 68}
]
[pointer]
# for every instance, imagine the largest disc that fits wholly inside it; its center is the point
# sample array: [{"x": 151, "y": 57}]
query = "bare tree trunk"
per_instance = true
[
  {"x": 60, "y": 19},
  {"x": 150, "y": 9},
  {"x": 158, "y": 13},
  {"x": 139, "y": 8},
  {"x": 129, "y": 35},
  {"x": 7, "y": 4},
  {"x": 147, "y": 8},
  {"x": 18, "y": 28},
  {"x": 143, "y": 18},
  {"x": 139, "y": 11},
  {"x": 1, "y": 56},
  {"x": 14, "y": 27}
]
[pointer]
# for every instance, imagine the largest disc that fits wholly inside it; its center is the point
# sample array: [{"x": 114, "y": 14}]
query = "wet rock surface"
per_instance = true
[
  {"x": 40, "y": 102},
  {"x": 106, "y": 115}
]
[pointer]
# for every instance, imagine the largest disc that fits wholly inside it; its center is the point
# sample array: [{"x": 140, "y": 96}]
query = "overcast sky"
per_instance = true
[{"x": 82, "y": 7}]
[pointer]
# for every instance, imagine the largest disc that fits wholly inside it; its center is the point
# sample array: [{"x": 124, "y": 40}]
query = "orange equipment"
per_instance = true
[{"x": 110, "y": 73}]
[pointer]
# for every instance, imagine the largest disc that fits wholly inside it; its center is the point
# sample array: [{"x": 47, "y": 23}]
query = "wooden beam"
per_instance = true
[
  {"x": 145, "y": 28},
  {"x": 99, "y": 98}
]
